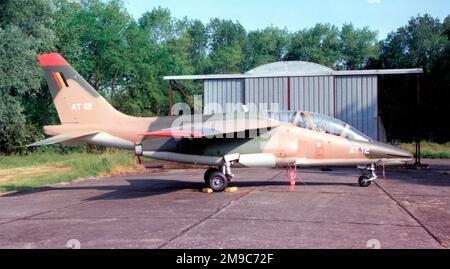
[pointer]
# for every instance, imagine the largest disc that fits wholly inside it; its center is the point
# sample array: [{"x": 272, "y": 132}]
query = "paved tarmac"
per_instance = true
[{"x": 165, "y": 209}]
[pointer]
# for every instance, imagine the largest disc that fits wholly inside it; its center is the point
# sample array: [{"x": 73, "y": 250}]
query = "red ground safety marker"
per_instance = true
[{"x": 292, "y": 178}]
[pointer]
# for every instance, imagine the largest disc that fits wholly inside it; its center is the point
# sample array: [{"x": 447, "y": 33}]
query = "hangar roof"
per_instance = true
[
  {"x": 290, "y": 67},
  {"x": 296, "y": 69}
]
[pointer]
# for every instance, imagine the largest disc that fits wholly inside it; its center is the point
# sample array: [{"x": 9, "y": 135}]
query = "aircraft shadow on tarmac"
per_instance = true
[
  {"x": 138, "y": 188},
  {"x": 153, "y": 187}
]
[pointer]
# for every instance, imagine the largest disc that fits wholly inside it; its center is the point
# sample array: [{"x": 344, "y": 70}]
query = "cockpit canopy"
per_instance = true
[{"x": 320, "y": 123}]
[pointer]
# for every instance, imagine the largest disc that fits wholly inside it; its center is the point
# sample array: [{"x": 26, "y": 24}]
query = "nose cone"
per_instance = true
[{"x": 385, "y": 151}]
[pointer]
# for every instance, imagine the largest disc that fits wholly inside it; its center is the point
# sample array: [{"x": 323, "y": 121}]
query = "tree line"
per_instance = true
[{"x": 125, "y": 59}]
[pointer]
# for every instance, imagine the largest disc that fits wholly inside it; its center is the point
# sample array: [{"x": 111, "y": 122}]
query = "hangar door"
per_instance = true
[
  {"x": 223, "y": 95},
  {"x": 352, "y": 99},
  {"x": 266, "y": 94},
  {"x": 356, "y": 103},
  {"x": 313, "y": 94}
]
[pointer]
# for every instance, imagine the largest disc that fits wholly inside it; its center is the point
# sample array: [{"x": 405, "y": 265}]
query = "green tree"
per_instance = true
[
  {"x": 418, "y": 44},
  {"x": 198, "y": 46},
  {"x": 140, "y": 93},
  {"x": 25, "y": 32},
  {"x": 12, "y": 125},
  {"x": 108, "y": 47},
  {"x": 176, "y": 52},
  {"x": 227, "y": 59},
  {"x": 160, "y": 24},
  {"x": 226, "y": 43},
  {"x": 99, "y": 31},
  {"x": 358, "y": 47},
  {"x": 447, "y": 27},
  {"x": 319, "y": 44},
  {"x": 265, "y": 46},
  {"x": 423, "y": 43}
]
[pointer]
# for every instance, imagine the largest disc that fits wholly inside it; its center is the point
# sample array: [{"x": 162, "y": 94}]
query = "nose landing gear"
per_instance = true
[{"x": 365, "y": 180}]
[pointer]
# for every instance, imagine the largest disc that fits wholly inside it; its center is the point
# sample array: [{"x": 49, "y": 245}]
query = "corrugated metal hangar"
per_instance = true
[{"x": 351, "y": 96}]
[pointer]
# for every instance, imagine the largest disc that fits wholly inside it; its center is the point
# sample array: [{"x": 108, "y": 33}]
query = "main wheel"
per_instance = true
[
  {"x": 208, "y": 174},
  {"x": 218, "y": 181},
  {"x": 364, "y": 181}
]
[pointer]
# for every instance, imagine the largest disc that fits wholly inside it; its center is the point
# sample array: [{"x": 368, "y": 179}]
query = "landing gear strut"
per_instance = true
[
  {"x": 367, "y": 177},
  {"x": 219, "y": 179}
]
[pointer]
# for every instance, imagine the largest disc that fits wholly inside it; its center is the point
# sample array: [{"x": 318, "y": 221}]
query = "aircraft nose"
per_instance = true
[{"x": 380, "y": 150}]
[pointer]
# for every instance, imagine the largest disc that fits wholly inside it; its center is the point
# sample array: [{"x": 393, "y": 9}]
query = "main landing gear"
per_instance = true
[
  {"x": 219, "y": 179},
  {"x": 367, "y": 177}
]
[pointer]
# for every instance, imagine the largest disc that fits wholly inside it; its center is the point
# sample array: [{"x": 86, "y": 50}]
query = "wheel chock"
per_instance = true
[
  {"x": 207, "y": 190},
  {"x": 232, "y": 190}
]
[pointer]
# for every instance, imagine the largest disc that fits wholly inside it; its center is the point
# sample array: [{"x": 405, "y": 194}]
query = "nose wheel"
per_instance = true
[{"x": 365, "y": 180}]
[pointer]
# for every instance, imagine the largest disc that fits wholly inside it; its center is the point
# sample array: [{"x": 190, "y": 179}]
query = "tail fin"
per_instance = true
[{"x": 76, "y": 101}]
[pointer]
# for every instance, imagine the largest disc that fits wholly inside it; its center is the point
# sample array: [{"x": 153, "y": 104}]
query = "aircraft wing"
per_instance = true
[
  {"x": 183, "y": 133},
  {"x": 64, "y": 138},
  {"x": 216, "y": 127}
]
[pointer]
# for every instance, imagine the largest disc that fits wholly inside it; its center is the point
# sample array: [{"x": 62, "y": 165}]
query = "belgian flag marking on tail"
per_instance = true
[{"x": 60, "y": 80}]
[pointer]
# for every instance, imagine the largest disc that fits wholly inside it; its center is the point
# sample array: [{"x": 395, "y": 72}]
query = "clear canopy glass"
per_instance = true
[{"x": 320, "y": 123}]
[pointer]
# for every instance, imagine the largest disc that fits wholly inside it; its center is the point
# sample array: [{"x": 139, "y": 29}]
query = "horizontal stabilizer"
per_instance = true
[{"x": 62, "y": 138}]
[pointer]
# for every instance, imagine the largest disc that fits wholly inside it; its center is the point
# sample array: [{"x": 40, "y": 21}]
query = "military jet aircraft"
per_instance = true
[{"x": 222, "y": 141}]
